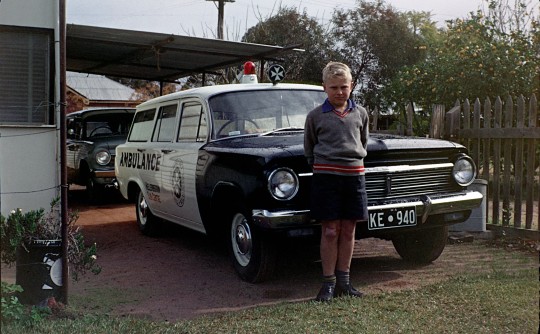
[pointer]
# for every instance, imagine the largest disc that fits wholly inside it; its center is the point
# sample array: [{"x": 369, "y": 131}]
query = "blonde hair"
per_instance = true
[{"x": 336, "y": 69}]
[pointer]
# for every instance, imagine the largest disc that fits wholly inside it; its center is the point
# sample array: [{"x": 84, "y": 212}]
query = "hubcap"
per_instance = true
[
  {"x": 143, "y": 209},
  {"x": 241, "y": 239}
]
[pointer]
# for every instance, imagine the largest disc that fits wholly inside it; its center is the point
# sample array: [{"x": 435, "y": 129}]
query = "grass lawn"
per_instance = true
[{"x": 495, "y": 302}]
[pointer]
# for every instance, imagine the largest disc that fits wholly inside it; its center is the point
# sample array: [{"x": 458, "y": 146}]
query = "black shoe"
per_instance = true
[
  {"x": 347, "y": 290},
  {"x": 326, "y": 293}
]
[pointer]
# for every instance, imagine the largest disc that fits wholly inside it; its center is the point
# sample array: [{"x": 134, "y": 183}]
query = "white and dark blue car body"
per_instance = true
[{"x": 228, "y": 161}]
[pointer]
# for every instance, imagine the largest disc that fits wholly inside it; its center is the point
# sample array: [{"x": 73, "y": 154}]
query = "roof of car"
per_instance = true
[
  {"x": 208, "y": 91},
  {"x": 85, "y": 112}
]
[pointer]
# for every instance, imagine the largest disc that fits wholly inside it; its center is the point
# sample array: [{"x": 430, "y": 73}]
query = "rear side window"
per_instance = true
[
  {"x": 165, "y": 124},
  {"x": 142, "y": 126},
  {"x": 193, "y": 126}
]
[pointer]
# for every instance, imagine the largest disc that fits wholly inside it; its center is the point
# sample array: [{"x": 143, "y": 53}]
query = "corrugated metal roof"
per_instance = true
[
  {"x": 155, "y": 56},
  {"x": 98, "y": 87}
]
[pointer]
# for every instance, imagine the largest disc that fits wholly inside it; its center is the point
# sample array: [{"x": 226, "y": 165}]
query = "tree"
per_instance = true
[
  {"x": 475, "y": 58},
  {"x": 145, "y": 90},
  {"x": 151, "y": 89},
  {"x": 510, "y": 15},
  {"x": 291, "y": 28},
  {"x": 376, "y": 41}
]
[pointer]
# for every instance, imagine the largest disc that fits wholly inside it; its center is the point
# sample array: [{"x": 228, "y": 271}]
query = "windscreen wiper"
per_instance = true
[{"x": 286, "y": 129}]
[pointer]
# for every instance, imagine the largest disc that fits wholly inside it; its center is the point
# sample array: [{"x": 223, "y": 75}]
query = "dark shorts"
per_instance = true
[{"x": 336, "y": 197}]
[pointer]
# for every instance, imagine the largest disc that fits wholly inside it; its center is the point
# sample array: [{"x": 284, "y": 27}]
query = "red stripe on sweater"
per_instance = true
[{"x": 340, "y": 169}]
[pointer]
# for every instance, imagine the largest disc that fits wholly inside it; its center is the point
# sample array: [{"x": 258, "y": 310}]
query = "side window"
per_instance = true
[
  {"x": 142, "y": 125},
  {"x": 193, "y": 126},
  {"x": 73, "y": 129},
  {"x": 165, "y": 124}
]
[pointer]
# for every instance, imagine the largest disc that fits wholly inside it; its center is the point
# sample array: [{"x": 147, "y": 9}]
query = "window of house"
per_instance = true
[{"x": 26, "y": 76}]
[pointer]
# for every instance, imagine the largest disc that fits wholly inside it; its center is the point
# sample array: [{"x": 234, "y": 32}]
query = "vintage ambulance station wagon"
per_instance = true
[{"x": 228, "y": 161}]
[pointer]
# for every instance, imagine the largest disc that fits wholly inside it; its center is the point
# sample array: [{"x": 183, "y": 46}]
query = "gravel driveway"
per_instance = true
[{"x": 181, "y": 276}]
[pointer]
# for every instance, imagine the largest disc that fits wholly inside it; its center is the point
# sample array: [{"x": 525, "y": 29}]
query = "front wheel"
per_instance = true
[
  {"x": 147, "y": 222},
  {"x": 422, "y": 246},
  {"x": 253, "y": 255}
]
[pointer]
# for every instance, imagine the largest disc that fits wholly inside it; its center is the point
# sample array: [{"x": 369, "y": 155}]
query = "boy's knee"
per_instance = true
[{"x": 330, "y": 232}]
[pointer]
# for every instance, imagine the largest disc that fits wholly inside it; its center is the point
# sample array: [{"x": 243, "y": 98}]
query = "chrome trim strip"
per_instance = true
[{"x": 407, "y": 168}]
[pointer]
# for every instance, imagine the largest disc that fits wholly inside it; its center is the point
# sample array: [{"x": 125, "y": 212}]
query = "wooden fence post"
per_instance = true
[
  {"x": 375, "y": 119},
  {"x": 532, "y": 155},
  {"x": 507, "y": 156},
  {"x": 487, "y": 150},
  {"x": 475, "y": 142},
  {"x": 410, "y": 113},
  {"x": 452, "y": 123},
  {"x": 466, "y": 120},
  {"x": 518, "y": 162},
  {"x": 437, "y": 122},
  {"x": 497, "y": 124}
]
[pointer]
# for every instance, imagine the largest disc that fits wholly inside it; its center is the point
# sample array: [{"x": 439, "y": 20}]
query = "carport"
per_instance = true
[{"x": 157, "y": 57}]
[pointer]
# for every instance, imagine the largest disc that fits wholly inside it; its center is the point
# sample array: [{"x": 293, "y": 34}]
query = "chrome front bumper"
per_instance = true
[{"x": 425, "y": 206}]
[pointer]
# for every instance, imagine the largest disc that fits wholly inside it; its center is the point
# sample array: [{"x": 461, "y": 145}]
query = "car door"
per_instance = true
[
  {"x": 163, "y": 134},
  {"x": 140, "y": 159},
  {"x": 179, "y": 166}
]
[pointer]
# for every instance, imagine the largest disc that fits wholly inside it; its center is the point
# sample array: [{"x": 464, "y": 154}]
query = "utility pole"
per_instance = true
[{"x": 221, "y": 12}]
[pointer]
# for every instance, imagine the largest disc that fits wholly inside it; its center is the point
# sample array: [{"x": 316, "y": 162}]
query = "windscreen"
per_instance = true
[
  {"x": 108, "y": 124},
  {"x": 245, "y": 112}
]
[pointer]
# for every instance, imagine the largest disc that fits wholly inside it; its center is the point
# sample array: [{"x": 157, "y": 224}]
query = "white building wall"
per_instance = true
[
  {"x": 29, "y": 155},
  {"x": 29, "y": 13}
]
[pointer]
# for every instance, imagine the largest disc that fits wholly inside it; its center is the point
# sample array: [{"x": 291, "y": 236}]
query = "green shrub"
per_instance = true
[
  {"x": 12, "y": 309},
  {"x": 19, "y": 230}
]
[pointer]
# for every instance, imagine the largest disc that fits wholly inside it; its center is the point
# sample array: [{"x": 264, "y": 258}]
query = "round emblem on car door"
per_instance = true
[{"x": 178, "y": 183}]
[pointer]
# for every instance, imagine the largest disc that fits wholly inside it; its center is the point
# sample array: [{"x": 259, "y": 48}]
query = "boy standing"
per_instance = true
[{"x": 335, "y": 143}]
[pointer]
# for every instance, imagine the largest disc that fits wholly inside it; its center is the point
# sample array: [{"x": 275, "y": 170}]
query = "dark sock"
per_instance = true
[
  {"x": 342, "y": 277},
  {"x": 329, "y": 280}
]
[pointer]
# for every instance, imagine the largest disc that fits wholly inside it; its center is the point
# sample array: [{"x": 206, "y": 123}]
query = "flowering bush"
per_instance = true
[{"x": 19, "y": 230}]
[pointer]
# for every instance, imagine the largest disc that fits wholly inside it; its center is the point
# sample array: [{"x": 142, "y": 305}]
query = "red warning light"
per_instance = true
[{"x": 249, "y": 68}]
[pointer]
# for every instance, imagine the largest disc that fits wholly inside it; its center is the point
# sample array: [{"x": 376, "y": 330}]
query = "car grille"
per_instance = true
[
  {"x": 394, "y": 182},
  {"x": 405, "y": 181}
]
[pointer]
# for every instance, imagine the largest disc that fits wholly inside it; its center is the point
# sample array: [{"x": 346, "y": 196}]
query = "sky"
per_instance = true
[{"x": 199, "y": 17}]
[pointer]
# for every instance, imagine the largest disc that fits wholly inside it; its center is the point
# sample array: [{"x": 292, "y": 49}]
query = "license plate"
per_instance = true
[{"x": 391, "y": 218}]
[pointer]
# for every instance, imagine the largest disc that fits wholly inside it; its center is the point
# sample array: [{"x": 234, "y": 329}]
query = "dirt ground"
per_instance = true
[{"x": 181, "y": 276}]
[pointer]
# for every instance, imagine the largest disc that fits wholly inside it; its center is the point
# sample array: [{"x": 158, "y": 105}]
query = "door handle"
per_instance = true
[{"x": 166, "y": 151}]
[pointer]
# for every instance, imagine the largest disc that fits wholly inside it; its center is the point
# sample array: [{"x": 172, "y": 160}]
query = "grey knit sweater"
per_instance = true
[{"x": 334, "y": 144}]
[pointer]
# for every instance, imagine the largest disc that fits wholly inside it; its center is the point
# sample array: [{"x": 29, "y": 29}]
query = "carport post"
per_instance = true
[
  {"x": 261, "y": 71},
  {"x": 61, "y": 47}
]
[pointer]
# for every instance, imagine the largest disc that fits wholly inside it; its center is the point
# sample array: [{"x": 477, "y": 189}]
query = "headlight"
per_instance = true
[
  {"x": 464, "y": 171},
  {"x": 103, "y": 157},
  {"x": 283, "y": 184}
]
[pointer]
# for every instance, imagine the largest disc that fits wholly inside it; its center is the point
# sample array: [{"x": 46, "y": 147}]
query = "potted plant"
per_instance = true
[{"x": 32, "y": 240}]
